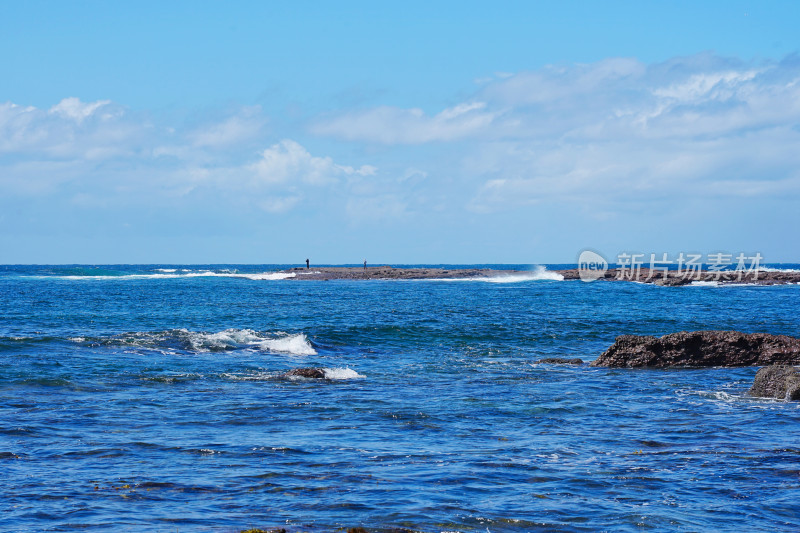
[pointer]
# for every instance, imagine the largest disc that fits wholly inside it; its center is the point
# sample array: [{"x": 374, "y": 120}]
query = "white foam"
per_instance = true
[
  {"x": 330, "y": 373},
  {"x": 770, "y": 269},
  {"x": 173, "y": 274},
  {"x": 265, "y": 276},
  {"x": 229, "y": 339},
  {"x": 297, "y": 344},
  {"x": 539, "y": 273},
  {"x": 725, "y": 284},
  {"x": 341, "y": 373}
]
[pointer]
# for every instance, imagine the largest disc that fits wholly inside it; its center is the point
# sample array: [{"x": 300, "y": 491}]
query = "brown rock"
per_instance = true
[
  {"x": 701, "y": 349},
  {"x": 313, "y": 373},
  {"x": 777, "y": 381},
  {"x": 672, "y": 282}
]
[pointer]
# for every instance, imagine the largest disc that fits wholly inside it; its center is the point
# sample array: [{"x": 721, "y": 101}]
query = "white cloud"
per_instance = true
[
  {"x": 244, "y": 126},
  {"x": 392, "y": 125},
  {"x": 288, "y": 161},
  {"x": 95, "y": 152},
  {"x": 76, "y": 110},
  {"x": 614, "y": 130},
  {"x": 63, "y": 131},
  {"x": 278, "y": 204}
]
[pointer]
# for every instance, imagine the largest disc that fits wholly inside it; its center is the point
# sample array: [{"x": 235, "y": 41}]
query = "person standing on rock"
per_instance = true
[
  {"x": 365, "y": 265},
  {"x": 307, "y": 264}
]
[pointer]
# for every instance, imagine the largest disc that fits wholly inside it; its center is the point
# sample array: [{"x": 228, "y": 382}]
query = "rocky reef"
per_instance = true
[
  {"x": 698, "y": 349},
  {"x": 643, "y": 275},
  {"x": 777, "y": 381}
]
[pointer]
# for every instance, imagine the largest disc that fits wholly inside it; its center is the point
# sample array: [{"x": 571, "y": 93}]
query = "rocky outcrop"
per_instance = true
[
  {"x": 672, "y": 281},
  {"x": 696, "y": 349},
  {"x": 390, "y": 273},
  {"x": 311, "y": 373},
  {"x": 777, "y": 381},
  {"x": 672, "y": 278},
  {"x": 561, "y": 361}
]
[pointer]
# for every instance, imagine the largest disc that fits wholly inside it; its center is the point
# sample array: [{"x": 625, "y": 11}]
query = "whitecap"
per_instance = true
[
  {"x": 705, "y": 284},
  {"x": 229, "y": 338},
  {"x": 265, "y": 276},
  {"x": 297, "y": 344},
  {"x": 341, "y": 373},
  {"x": 771, "y": 269},
  {"x": 539, "y": 273},
  {"x": 174, "y": 274},
  {"x": 225, "y": 340}
]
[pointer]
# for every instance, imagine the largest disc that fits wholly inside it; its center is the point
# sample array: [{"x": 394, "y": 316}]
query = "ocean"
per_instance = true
[{"x": 151, "y": 398}]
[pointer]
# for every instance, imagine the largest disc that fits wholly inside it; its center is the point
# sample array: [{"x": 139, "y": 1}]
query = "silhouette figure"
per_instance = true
[
  {"x": 307, "y": 265},
  {"x": 365, "y": 264}
]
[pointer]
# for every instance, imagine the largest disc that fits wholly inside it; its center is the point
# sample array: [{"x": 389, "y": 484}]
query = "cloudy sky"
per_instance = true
[{"x": 457, "y": 132}]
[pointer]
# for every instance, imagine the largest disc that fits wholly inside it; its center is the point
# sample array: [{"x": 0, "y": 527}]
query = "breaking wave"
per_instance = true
[
  {"x": 330, "y": 373},
  {"x": 293, "y": 344},
  {"x": 194, "y": 341},
  {"x": 171, "y": 273},
  {"x": 341, "y": 373},
  {"x": 539, "y": 273}
]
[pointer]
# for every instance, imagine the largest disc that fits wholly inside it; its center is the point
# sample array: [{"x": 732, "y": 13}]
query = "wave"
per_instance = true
[
  {"x": 705, "y": 284},
  {"x": 170, "y": 273},
  {"x": 341, "y": 373},
  {"x": 293, "y": 344},
  {"x": 195, "y": 341},
  {"x": 770, "y": 269},
  {"x": 539, "y": 273},
  {"x": 698, "y": 283},
  {"x": 330, "y": 373}
]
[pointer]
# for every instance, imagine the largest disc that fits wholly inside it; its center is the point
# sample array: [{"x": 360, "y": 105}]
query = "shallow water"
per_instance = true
[{"x": 150, "y": 400}]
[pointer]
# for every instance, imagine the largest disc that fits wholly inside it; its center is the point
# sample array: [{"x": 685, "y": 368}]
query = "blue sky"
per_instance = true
[{"x": 416, "y": 132}]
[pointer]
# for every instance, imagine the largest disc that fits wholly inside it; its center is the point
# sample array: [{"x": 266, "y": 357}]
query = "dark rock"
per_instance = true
[
  {"x": 313, "y": 373},
  {"x": 701, "y": 349},
  {"x": 672, "y": 282},
  {"x": 561, "y": 361},
  {"x": 777, "y": 381}
]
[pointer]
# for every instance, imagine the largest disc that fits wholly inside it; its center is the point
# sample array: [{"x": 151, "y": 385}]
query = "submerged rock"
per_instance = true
[
  {"x": 561, "y": 361},
  {"x": 313, "y": 373},
  {"x": 699, "y": 349},
  {"x": 777, "y": 381}
]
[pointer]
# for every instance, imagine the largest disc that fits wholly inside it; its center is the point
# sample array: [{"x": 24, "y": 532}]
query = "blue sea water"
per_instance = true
[{"x": 149, "y": 398}]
